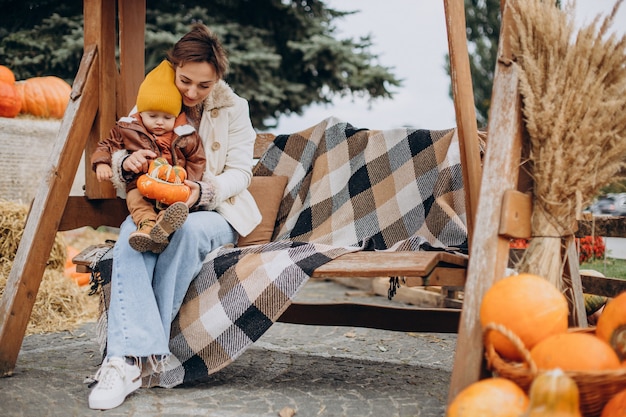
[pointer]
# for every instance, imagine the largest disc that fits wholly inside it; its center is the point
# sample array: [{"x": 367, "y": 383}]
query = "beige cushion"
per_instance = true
[{"x": 268, "y": 193}]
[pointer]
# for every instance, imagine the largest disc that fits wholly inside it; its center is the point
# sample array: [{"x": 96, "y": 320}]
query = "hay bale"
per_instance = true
[
  {"x": 60, "y": 303},
  {"x": 11, "y": 229}
]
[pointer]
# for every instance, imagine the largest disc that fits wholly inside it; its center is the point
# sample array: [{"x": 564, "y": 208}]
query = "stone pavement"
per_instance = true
[{"x": 314, "y": 370}]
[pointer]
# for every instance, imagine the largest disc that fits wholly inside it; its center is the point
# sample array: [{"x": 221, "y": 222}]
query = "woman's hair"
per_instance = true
[{"x": 200, "y": 45}]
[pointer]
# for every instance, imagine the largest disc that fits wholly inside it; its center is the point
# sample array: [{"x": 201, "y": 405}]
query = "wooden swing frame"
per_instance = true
[{"x": 495, "y": 194}]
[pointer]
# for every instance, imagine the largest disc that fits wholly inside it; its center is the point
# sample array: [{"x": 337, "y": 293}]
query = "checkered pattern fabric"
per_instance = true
[{"x": 349, "y": 189}]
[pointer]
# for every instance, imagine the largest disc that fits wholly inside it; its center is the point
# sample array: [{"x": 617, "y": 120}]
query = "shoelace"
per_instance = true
[{"x": 106, "y": 375}]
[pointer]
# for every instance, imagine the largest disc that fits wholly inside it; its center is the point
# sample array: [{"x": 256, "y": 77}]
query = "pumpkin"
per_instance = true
[
  {"x": 616, "y": 406},
  {"x": 160, "y": 168},
  {"x": 44, "y": 96},
  {"x": 7, "y": 75},
  {"x": 554, "y": 394},
  {"x": 529, "y": 306},
  {"x": 162, "y": 191},
  {"x": 10, "y": 102},
  {"x": 611, "y": 325},
  {"x": 492, "y": 397},
  {"x": 574, "y": 351}
]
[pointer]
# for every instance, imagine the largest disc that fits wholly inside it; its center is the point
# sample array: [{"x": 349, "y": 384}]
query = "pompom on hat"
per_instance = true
[{"x": 158, "y": 91}]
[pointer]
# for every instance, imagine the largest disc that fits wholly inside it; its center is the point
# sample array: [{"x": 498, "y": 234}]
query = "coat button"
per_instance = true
[
  {"x": 215, "y": 146},
  {"x": 215, "y": 112}
]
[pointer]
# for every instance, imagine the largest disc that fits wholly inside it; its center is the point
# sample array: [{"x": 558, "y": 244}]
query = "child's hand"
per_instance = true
[
  {"x": 139, "y": 161},
  {"x": 103, "y": 172}
]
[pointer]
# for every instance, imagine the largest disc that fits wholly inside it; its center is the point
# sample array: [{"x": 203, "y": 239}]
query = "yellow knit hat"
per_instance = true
[{"x": 158, "y": 92}]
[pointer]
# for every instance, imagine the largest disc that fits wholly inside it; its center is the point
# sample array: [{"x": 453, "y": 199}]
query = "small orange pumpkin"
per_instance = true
[
  {"x": 616, "y": 406},
  {"x": 529, "y": 306},
  {"x": 162, "y": 191},
  {"x": 10, "y": 102},
  {"x": 7, "y": 75},
  {"x": 160, "y": 168},
  {"x": 611, "y": 325},
  {"x": 492, "y": 397},
  {"x": 46, "y": 97},
  {"x": 574, "y": 351}
]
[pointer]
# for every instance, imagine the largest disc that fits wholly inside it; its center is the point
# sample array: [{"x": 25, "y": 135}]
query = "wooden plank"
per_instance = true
[
  {"x": 41, "y": 225},
  {"x": 571, "y": 275},
  {"x": 516, "y": 213},
  {"x": 262, "y": 142},
  {"x": 608, "y": 287},
  {"x": 606, "y": 226},
  {"x": 464, "y": 106},
  {"x": 80, "y": 212},
  {"x": 489, "y": 251},
  {"x": 132, "y": 20},
  {"x": 381, "y": 264},
  {"x": 405, "y": 319}
]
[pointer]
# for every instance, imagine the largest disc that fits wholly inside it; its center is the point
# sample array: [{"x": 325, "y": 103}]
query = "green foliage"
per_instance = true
[
  {"x": 616, "y": 188},
  {"x": 283, "y": 54},
  {"x": 609, "y": 267}
]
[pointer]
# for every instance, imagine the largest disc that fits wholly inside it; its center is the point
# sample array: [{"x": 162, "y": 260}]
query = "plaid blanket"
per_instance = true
[{"x": 349, "y": 189}]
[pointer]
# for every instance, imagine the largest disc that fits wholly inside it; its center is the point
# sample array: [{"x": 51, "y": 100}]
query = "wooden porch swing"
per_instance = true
[{"x": 101, "y": 93}]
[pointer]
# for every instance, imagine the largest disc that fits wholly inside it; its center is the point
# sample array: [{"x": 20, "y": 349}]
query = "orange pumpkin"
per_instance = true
[
  {"x": 7, "y": 75},
  {"x": 46, "y": 97},
  {"x": 616, "y": 407},
  {"x": 611, "y": 325},
  {"x": 575, "y": 351},
  {"x": 10, "y": 102},
  {"x": 529, "y": 306},
  {"x": 162, "y": 191},
  {"x": 160, "y": 168},
  {"x": 492, "y": 397}
]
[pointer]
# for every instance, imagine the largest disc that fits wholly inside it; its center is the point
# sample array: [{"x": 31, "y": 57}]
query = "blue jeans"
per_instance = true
[{"x": 147, "y": 290}]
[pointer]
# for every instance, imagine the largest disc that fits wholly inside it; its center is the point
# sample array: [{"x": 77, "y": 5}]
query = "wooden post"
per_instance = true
[
  {"x": 100, "y": 31},
  {"x": 132, "y": 20},
  {"x": 464, "y": 106},
  {"x": 490, "y": 251},
  {"x": 46, "y": 211}
]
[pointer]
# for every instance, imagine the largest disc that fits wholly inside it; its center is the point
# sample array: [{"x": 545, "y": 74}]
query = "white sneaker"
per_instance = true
[{"x": 116, "y": 379}]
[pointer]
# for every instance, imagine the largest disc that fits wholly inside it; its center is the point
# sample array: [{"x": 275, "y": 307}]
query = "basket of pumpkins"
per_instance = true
[{"x": 525, "y": 326}]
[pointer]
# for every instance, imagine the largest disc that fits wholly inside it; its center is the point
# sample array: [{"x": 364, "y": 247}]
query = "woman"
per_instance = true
[{"x": 147, "y": 289}]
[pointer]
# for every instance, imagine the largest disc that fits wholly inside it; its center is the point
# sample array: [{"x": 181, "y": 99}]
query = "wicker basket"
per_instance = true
[{"x": 596, "y": 388}]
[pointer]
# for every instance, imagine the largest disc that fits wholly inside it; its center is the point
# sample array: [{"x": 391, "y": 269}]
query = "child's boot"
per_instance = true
[
  {"x": 168, "y": 221},
  {"x": 140, "y": 239}
]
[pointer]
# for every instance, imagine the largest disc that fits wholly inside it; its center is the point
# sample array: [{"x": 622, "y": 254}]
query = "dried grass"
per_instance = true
[
  {"x": 60, "y": 303},
  {"x": 573, "y": 86}
]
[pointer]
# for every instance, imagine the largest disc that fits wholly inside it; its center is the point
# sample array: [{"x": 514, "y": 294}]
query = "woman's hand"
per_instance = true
[
  {"x": 138, "y": 161},
  {"x": 195, "y": 193}
]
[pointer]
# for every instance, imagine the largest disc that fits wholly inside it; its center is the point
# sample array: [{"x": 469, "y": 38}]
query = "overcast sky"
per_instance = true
[{"x": 410, "y": 36}]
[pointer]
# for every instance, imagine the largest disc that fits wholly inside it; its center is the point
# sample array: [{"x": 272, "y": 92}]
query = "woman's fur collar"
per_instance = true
[{"x": 221, "y": 96}]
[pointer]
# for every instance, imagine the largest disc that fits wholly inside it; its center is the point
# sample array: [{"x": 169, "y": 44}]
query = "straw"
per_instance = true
[{"x": 573, "y": 87}]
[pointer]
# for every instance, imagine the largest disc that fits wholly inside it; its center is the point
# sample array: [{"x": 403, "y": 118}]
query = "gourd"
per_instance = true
[
  {"x": 529, "y": 306},
  {"x": 554, "y": 394},
  {"x": 164, "y": 182},
  {"x": 160, "y": 168},
  {"x": 616, "y": 406},
  {"x": 492, "y": 397},
  {"x": 7, "y": 75},
  {"x": 611, "y": 325},
  {"x": 10, "y": 102},
  {"x": 574, "y": 351},
  {"x": 44, "y": 96}
]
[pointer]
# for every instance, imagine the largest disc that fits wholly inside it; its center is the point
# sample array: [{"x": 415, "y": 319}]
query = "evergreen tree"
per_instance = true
[{"x": 283, "y": 54}]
